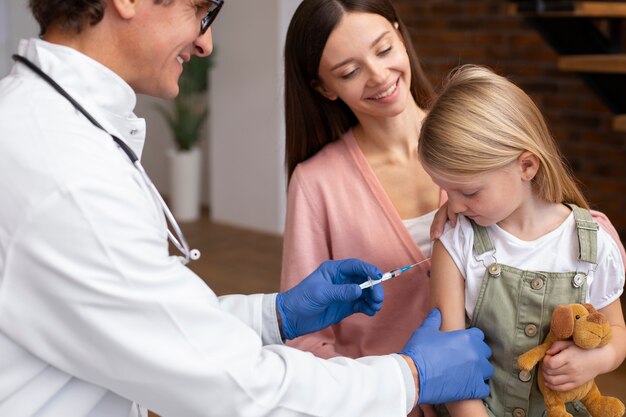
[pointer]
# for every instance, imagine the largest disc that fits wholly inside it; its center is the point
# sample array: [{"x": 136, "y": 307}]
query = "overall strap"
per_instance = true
[
  {"x": 482, "y": 243},
  {"x": 587, "y": 230}
]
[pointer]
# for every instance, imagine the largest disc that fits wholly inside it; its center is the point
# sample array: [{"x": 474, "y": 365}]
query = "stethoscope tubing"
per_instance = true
[{"x": 177, "y": 239}]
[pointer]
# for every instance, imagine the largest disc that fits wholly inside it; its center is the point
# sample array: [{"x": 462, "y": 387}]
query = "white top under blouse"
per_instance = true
[{"x": 419, "y": 229}]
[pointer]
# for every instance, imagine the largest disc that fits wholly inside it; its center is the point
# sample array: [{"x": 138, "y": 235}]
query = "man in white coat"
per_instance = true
[{"x": 97, "y": 318}]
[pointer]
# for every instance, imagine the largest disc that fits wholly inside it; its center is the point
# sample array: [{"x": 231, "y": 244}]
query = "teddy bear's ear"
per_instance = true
[
  {"x": 590, "y": 308},
  {"x": 562, "y": 325}
]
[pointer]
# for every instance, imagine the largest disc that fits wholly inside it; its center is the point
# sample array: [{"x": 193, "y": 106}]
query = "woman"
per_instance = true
[{"x": 355, "y": 97}]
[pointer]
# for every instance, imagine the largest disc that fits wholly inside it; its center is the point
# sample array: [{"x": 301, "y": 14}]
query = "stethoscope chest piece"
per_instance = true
[{"x": 194, "y": 254}]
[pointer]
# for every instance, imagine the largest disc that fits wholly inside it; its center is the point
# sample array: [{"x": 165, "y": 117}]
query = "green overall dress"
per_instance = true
[{"x": 514, "y": 308}]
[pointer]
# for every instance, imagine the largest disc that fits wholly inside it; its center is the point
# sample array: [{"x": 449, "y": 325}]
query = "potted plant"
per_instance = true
[{"x": 186, "y": 119}]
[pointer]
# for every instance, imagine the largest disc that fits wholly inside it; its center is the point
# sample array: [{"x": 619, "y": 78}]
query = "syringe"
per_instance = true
[{"x": 388, "y": 275}]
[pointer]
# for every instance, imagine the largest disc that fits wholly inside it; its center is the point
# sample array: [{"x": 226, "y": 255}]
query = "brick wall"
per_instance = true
[{"x": 447, "y": 33}]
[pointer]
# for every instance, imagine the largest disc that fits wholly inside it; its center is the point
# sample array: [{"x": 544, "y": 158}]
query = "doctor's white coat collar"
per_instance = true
[{"x": 103, "y": 93}]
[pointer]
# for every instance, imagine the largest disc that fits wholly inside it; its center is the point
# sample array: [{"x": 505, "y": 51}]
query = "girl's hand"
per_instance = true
[
  {"x": 443, "y": 215},
  {"x": 566, "y": 366}
]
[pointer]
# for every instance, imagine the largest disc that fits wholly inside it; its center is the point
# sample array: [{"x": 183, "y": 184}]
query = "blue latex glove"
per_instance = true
[
  {"x": 327, "y": 296},
  {"x": 452, "y": 366}
]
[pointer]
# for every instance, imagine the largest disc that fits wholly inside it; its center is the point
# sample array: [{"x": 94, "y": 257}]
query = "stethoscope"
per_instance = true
[{"x": 177, "y": 240}]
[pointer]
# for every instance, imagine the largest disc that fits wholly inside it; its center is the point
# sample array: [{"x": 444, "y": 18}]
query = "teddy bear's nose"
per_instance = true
[{"x": 597, "y": 318}]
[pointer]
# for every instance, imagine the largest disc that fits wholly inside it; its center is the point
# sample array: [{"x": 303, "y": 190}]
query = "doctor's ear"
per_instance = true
[
  {"x": 126, "y": 9},
  {"x": 323, "y": 90}
]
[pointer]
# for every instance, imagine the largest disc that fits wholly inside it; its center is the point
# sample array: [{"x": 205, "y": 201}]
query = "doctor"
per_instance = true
[{"x": 96, "y": 318}]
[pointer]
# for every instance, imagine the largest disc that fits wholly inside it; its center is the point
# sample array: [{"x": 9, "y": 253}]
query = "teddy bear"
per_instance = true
[{"x": 588, "y": 329}]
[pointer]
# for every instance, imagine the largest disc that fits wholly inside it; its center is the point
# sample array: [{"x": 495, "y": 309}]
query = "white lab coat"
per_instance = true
[{"x": 95, "y": 314}]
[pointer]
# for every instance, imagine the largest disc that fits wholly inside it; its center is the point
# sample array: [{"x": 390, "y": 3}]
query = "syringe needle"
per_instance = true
[{"x": 388, "y": 275}]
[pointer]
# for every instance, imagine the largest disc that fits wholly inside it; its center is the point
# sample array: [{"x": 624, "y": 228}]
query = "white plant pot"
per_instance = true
[{"x": 185, "y": 168}]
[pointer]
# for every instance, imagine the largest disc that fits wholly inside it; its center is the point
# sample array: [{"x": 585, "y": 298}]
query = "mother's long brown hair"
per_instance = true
[{"x": 311, "y": 120}]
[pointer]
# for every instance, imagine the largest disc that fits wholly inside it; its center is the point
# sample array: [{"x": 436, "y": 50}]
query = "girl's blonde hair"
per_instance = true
[{"x": 481, "y": 122}]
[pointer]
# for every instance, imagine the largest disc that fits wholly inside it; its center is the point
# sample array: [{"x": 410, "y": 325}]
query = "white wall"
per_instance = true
[
  {"x": 16, "y": 23},
  {"x": 246, "y": 102},
  {"x": 4, "y": 37}
]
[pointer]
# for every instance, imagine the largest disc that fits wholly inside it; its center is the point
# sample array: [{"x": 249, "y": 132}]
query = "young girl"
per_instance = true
[{"x": 524, "y": 241}]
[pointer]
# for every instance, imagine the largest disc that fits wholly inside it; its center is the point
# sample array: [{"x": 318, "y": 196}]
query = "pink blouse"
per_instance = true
[{"x": 338, "y": 209}]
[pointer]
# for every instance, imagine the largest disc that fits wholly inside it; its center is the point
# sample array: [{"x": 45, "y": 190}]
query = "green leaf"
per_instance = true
[{"x": 194, "y": 78}]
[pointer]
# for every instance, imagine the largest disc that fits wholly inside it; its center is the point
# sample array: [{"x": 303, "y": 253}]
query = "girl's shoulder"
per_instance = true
[
  {"x": 463, "y": 226},
  {"x": 461, "y": 235}
]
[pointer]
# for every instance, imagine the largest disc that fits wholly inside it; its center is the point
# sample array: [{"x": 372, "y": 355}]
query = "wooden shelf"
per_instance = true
[
  {"x": 609, "y": 63},
  {"x": 619, "y": 123},
  {"x": 578, "y": 9},
  {"x": 594, "y": 52}
]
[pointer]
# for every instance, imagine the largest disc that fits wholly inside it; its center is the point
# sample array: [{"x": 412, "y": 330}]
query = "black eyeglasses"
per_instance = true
[{"x": 214, "y": 9}]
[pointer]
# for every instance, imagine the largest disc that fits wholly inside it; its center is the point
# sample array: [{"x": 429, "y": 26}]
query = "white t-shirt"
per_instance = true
[{"x": 556, "y": 251}]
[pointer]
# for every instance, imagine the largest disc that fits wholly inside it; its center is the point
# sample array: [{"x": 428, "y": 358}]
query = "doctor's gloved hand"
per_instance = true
[
  {"x": 451, "y": 366},
  {"x": 327, "y": 296}
]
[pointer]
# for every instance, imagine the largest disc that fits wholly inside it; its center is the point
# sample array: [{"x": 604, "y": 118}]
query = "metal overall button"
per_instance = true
[
  {"x": 525, "y": 376},
  {"x": 536, "y": 284},
  {"x": 519, "y": 412},
  {"x": 530, "y": 330},
  {"x": 494, "y": 270},
  {"x": 578, "y": 280}
]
